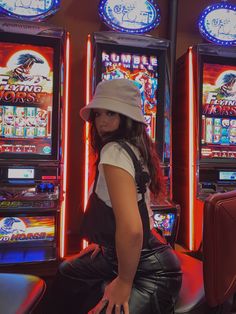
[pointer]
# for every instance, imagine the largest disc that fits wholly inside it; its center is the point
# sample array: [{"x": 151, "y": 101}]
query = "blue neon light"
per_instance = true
[
  {"x": 22, "y": 255},
  {"x": 217, "y": 24},
  {"x": 33, "y": 10},
  {"x": 130, "y": 16}
]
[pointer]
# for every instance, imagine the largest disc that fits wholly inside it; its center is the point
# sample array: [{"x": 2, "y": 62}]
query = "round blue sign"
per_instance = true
[
  {"x": 29, "y": 9},
  {"x": 130, "y": 16},
  {"x": 47, "y": 149},
  {"x": 218, "y": 24}
]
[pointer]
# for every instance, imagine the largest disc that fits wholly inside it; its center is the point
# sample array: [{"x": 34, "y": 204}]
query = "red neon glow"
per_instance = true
[
  {"x": 65, "y": 148},
  {"x": 86, "y": 132},
  {"x": 191, "y": 151}
]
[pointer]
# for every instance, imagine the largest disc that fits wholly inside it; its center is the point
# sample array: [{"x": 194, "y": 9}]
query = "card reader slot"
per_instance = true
[{"x": 209, "y": 186}]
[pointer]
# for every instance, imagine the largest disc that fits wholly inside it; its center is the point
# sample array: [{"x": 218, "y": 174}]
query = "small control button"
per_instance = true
[
  {"x": 50, "y": 187},
  {"x": 41, "y": 188}
]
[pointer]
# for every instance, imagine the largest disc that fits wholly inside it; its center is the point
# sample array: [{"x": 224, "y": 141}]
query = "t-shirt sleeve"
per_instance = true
[{"x": 113, "y": 154}]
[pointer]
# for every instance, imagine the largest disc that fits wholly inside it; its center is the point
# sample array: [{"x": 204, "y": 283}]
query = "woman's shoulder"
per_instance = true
[
  {"x": 114, "y": 154},
  {"x": 110, "y": 146},
  {"x": 114, "y": 148}
]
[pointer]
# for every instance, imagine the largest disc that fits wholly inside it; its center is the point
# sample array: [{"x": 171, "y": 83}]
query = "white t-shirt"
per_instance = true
[{"x": 113, "y": 154}]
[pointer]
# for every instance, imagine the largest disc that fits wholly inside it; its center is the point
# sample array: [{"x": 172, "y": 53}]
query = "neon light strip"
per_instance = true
[
  {"x": 64, "y": 202},
  {"x": 88, "y": 89},
  {"x": 191, "y": 153}
]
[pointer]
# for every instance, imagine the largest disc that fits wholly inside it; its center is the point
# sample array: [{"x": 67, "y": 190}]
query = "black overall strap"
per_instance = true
[
  {"x": 95, "y": 180},
  {"x": 141, "y": 176},
  {"x": 96, "y": 174}
]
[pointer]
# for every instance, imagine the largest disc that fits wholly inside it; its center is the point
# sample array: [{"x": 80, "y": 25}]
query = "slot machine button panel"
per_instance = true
[{"x": 45, "y": 187}]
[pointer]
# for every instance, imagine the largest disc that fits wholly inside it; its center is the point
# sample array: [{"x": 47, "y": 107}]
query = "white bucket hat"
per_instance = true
[{"x": 118, "y": 95}]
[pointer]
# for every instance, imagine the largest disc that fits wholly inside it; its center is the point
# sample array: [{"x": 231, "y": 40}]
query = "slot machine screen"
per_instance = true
[
  {"x": 28, "y": 99},
  {"x": 27, "y": 229},
  {"x": 218, "y": 110},
  {"x": 165, "y": 222},
  {"x": 142, "y": 67}
]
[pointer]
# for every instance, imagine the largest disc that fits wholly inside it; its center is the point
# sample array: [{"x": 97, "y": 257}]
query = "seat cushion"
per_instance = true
[
  {"x": 20, "y": 293},
  {"x": 192, "y": 296}
]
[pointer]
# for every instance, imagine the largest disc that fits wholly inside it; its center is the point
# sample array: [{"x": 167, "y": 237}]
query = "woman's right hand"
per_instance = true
[
  {"x": 94, "y": 248},
  {"x": 115, "y": 299}
]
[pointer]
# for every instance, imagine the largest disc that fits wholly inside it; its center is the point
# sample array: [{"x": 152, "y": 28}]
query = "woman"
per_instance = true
[{"x": 126, "y": 270}]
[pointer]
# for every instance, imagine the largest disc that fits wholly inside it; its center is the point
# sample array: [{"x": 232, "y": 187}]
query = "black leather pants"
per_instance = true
[{"x": 79, "y": 284}]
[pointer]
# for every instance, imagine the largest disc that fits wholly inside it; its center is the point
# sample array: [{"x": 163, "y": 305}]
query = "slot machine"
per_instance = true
[
  {"x": 204, "y": 121},
  {"x": 33, "y": 145},
  {"x": 204, "y": 148},
  {"x": 144, "y": 60}
]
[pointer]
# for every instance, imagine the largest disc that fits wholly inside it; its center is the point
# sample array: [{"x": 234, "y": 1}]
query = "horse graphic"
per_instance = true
[
  {"x": 229, "y": 87},
  {"x": 12, "y": 225},
  {"x": 22, "y": 71}
]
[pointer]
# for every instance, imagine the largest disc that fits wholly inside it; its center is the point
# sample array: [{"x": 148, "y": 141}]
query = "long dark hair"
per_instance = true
[{"x": 134, "y": 133}]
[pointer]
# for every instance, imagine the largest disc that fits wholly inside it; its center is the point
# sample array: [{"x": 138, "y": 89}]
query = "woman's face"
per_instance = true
[{"x": 106, "y": 121}]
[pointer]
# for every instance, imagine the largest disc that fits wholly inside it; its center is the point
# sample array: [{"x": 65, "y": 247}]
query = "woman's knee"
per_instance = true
[
  {"x": 74, "y": 268},
  {"x": 63, "y": 267}
]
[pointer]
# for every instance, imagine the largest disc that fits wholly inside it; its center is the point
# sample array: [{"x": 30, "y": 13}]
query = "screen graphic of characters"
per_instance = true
[
  {"x": 26, "y": 99},
  {"x": 164, "y": 222},
  {"x": 167, "y": 126},
  {"x": 143, "y": 70},
  {"x": 218, "y": 114}
]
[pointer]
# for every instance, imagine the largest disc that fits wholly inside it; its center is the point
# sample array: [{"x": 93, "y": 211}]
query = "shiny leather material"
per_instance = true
[
  {"x": 19, "y": 293},
  {"x": 157, "y": 281},
  {"x": 80, "y": 282}
]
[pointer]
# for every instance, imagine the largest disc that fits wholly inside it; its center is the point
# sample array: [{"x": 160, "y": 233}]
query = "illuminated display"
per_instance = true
[
  {"x": 143, "y": 70},
  {"x": 14, "y": 173},
  {"x": 27, "y": 229},
  {"x": 29, "y": 9},
  {"x": 167, "y": 126},
  {"x": 218, "y": 111},
  {"x": 164, "y": 222},
  {"x": 218, "y": 24},
  {"x": 130, "y": 16},
  {"x": 227, "y": 175},
  {"x": 26, "y": 99}
]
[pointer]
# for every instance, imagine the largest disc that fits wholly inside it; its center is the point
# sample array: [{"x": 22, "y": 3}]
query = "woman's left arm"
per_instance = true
[{"x": 129, "y": 235}]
